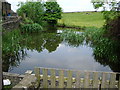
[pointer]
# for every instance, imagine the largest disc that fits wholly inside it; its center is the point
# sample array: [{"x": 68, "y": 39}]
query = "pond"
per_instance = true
[{"x": 22, "y": 52}]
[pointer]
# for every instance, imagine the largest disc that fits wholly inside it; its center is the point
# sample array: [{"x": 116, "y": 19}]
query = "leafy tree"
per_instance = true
[
  {"x": 97, "y": 5},
  {"x": 112, "y": 17},
  {"x": 32, "y": 10},
  {"x": 52, "y": 12}
]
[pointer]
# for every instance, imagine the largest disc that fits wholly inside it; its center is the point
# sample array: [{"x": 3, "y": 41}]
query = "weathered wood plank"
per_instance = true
[
  {"x": 86, "y": 84},
  {"x": 103, "y": 83},
  {"x": 69, "y": 79},
  {"x": 86, "y": 80},
  {"x": 112, "y": 80},
  {"x": 53, "y": 78},
  {"x": 77, "y": 79},
  {"x": 26, "y": 82},
  {"x": 95, "y": 80},
  {"x": 61, "y": 79},
  {"x": 37, "y": 74},
  {"x": 45, "y": 78}
]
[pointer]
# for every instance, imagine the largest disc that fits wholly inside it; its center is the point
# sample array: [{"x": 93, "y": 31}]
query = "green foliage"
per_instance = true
[
  {"x": 37, "y": 12},
  {"x": 12, "y": 52},
  {"x": 72, "y": 38},
  {"x": 113, "y": 5},
  {"x": 8, "y": 87},
  {"x": 52, "y": 12},
  {"x": 112, "y": 19},
  {"x": 27, "y": 21},
  {"x": 31, "y": 28},
  {"x": 104, "y": 48},
  {"x": 10, "y": 39},
  {"x": 97, "y": 5},
  {"x": 114, "y": 9},
  {"x": 32, "y": 10}
]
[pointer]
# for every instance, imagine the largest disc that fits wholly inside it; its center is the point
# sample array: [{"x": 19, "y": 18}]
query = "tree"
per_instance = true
[
  {"x": 52, "y": 12},
  {"x": 112, "y": 17},
  {"x": 97, "y": 5},
  {"x": 32, "y": 10}
]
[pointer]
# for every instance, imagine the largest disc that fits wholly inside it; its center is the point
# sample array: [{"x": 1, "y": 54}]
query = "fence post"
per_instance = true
[
  {"x": 86, "y": 80},
  {"x": 37, "y": 74},
  {"x": 112, "y": 80},
  {"x": 95, "y": 80},
  {"x": 78, "y": 79},
  {"x": 69, "y": 79},
  {"x": 103, "y": 83},
  {"x": 61, "y": 79},
  {"x": 53, "y": 78},
  {"x": 45, "y": 78}
]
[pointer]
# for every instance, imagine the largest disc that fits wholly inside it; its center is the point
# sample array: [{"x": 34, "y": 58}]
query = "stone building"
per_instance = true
[{"x": 6, "y": 7}]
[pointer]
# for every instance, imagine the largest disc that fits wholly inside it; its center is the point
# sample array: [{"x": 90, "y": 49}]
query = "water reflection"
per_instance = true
[
  {"x": 12, "y": 52},
  {"x": 108, "y": 53},
  {"x": 39, "y": 42},
  {"x": 56, "y": 50}
]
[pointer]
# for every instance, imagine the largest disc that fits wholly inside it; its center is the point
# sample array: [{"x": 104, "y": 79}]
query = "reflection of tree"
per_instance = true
[
  {"x": 49, "y": 41},
  {"x": 52, "y": 42},
  {"x": 108, "y": 53},
  {"x": 15, "y": 45},
  {"x": 12, "y": 60},
  {"x": 32, "y": 42}
]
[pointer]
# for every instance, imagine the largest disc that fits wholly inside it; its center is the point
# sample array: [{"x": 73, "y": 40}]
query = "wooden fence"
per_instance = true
[{"x": 59, "y": 78}]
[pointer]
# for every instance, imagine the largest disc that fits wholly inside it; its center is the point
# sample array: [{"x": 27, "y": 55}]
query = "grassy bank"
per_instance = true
[{"x": 87, "y": 19}]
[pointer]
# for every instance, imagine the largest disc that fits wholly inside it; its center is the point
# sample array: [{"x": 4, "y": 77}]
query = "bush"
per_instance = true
[
  {"x": 31, "y": 27},
  {"x": 113, "y": 28},
  {"x": 27, "y": 21}
]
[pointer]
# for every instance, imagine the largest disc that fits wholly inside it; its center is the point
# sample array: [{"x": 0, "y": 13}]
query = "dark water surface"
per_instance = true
[{"x": 48, "y": 50}]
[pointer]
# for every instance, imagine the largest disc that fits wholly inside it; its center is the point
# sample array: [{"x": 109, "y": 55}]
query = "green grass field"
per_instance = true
[{"x": 87, "y": 19}]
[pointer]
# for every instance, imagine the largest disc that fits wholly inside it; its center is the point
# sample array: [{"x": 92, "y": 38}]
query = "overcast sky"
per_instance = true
[{"x": 67, "y": 5}]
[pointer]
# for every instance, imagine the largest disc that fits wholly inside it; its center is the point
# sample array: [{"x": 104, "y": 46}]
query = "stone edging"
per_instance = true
[{"x": 13, "y": 77}]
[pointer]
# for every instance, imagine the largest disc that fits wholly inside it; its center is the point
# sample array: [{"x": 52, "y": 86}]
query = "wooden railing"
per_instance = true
[{"x": 59, "y": 78}]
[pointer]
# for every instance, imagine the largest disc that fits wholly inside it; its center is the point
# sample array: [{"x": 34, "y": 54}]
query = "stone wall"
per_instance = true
[
  {"x": 11, "y": 23},
  {"x": 9, "y": 18},
  {"x": 14, "y": 78}
]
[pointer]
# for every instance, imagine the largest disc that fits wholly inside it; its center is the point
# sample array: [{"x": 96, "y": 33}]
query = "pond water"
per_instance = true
[{"x": 50, "y": 51}]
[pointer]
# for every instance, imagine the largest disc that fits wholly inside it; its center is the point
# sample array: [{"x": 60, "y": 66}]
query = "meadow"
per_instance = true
[{"x": 87, "y": 19}]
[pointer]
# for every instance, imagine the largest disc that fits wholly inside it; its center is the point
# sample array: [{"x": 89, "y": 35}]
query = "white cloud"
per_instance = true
[
  {"x": 76, "y": 5},
  {"x": 67, "y": 5}
]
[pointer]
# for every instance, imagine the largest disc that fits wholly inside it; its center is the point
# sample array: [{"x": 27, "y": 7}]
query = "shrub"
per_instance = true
[
  {"x": 28, "y": 21},
  {"x": 31, "y": 27}
]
